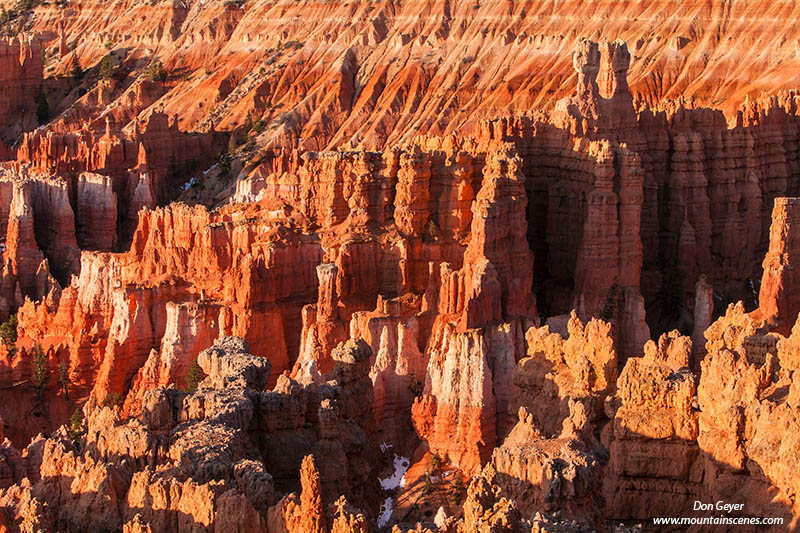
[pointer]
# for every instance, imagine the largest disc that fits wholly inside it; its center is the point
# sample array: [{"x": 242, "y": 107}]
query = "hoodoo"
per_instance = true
[{"x": 351, "y": 267}]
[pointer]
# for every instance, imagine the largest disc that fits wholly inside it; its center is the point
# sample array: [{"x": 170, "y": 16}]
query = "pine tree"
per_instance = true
[
  {"x": 156, "y": 72},
  {"x": 224, "y": 165},
  {"x": 63, "y": 378},
  {"x": 77, "y": 427},
  {"x": 77, "y": 71},
  {"x": 610, "y": 304},
  {"x": 38, "y": 370},
  {"x": 233, "y": 143},
  {"x": 194, "y": 377},
  {"x": 113, "y": 399},
  {"x": 8, "y": 332},
  {"x": 415, "y": 386},
  {"x": 106, "y": 68}
]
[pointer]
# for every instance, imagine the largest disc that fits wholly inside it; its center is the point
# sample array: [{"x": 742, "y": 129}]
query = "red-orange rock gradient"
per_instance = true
[
  {"x": 382, "y": 74},
  {"x": 482, "y": 295}
]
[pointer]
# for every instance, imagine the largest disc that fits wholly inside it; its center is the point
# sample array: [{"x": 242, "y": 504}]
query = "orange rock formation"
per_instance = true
[{"x": 443, "y": 267}]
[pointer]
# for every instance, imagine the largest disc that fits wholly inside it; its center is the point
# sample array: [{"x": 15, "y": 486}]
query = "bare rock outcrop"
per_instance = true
[
  {"x": 655, "y": 464},
  {"x": 778, "y": 299},
  {"x": 580, "y": 366},
  {"x": 199, "y": 459},
  {"x": 558, "y": 475},
  {"x": 486, "y": 510}
]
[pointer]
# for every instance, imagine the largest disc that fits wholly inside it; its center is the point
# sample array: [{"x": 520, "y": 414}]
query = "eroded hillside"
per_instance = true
[{"x": 444, "y": 266}]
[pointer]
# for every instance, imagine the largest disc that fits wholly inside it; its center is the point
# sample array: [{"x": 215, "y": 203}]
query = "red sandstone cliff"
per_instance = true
[
  {"x": 394, "y": 297},
  {"x": 379, "y": 73},
  {"x": 22, "y": 72}
]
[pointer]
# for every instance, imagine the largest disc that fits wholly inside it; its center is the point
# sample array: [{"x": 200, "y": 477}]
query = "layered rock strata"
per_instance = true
[
  {"x": 378, "y": 76},
  {"x": 22, "y": 78},
  {"x": 394, "y": 292}
]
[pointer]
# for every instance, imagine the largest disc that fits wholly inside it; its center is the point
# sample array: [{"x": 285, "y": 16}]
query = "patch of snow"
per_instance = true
[
  {"x": 398, "y": 477},
  {"x": 189, "y": 184},
  {"x": 441, "y": 518},
  {"x": 385, "y": 513}
]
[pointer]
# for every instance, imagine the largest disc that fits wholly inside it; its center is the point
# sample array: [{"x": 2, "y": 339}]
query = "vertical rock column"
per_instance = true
[
  {"x": 412, "y": 200},
  {"x": 477, "y": 339},
  {"x": 779, "y": 297},
  {"x": 498, "y": 264},
  {"x": 41, "y": 225},
  {"x": 96, "y": 219},
  {"x": 598, "y": 262},
  {"x": 632, "y": 331},
  {"x": 703, "y": 314},
  {"x": 322, "y": 329}
]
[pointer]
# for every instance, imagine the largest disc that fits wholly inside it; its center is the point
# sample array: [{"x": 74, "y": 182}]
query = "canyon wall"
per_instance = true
[
  {"x": 449, "y": 270},
  {"x": 456, "y": 233},
  {"x": 378, "y": 73},
  {"x": 626, "y": 209}
]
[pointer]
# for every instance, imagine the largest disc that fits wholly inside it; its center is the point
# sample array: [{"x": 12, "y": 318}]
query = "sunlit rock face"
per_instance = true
[{"x": 348, "y": 267}]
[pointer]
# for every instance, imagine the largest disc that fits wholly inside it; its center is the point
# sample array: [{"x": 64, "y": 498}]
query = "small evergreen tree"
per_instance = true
[
  {"x": 233, "y": 143},
  {"x": 8, "y": 332},
  {"x": 113, "y": 399},
  {"x": 193, "y": 377},
  {"x": 77, "y": 426},
  {"x": 224, "y": 165},
  {"x": 428, "y": 485},
  {"x": 77, "y": 71},
  {"x": 38, "y": 370},
  {"x": 435, "y": 462},
  {"x": 431, "y": 232},
  {"x": 459, "y": 490},
  {"x": 610, "y": 304},
  {"x": 106, "y": 68},
  {"x": 156, "y": 72},
  {"x": 63, "y": 378},
  {"x": 415, "y": 386},
  {"x": 42, "y": 108},
  {"x": 258, "y": 125}
]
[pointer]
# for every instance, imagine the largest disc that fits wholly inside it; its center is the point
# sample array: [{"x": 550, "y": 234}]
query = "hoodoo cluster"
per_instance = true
[{"x": 565, "y": 309}]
